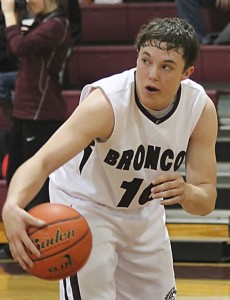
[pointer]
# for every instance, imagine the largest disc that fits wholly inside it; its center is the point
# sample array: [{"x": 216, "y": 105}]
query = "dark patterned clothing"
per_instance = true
[{"x": 42, "y": 52}]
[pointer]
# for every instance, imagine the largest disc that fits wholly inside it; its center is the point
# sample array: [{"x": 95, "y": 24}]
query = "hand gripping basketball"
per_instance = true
[{"x": 65, "y": 242}]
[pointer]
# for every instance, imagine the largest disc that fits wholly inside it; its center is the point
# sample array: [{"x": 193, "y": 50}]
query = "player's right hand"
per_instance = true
[{"x": 16, "y": 220}]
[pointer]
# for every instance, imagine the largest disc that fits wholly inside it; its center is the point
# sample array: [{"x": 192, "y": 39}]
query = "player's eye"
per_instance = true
[
  {"x": 167, "y": 67},
  {"x": 145, "y": 61}
]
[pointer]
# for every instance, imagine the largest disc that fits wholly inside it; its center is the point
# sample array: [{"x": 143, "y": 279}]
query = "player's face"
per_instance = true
[
  {"x": 40, "y": 6},
  {"x": 158, "y": 76}
]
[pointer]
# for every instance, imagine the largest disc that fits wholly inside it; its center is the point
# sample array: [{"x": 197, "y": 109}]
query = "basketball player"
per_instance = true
[{"x": 117, "y": 159}]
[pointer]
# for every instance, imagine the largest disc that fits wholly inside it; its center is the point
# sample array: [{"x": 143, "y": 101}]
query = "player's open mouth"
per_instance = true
[{"x": 151, "y": 89}]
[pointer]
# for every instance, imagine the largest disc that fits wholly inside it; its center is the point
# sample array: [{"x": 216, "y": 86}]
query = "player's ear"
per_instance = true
[{"x": 187, "y": 73}]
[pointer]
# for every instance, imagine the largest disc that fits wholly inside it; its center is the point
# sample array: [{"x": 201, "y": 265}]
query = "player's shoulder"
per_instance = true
[
  {"x": 193, "y": 95},
  {"x": 191, "y": 85},
  {"x": 112, "y": 84}
]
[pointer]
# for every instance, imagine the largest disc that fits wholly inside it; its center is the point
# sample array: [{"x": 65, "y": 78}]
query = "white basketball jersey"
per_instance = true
[{"x": 119, "y": 171}]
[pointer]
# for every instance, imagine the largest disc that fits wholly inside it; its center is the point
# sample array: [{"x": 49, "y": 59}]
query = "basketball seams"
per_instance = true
[{"x": 53, "y": 223}]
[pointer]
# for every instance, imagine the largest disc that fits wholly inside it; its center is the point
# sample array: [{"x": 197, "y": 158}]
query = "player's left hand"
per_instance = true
[
  {"x": 170, "y": 187},
  {"x": 7, "y": 6}
]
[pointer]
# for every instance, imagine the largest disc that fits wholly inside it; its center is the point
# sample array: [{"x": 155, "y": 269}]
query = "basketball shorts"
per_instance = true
[{"x": 131, "y": 256}]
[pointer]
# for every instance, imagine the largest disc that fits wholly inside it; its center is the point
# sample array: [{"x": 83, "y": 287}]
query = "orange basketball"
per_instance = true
[{"x": 65, "y": 242}]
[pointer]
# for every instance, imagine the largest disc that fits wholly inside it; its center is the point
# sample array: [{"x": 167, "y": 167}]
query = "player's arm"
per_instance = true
[
  {"x": 201, "y": 170},
  {"x": 93, "y": 118},
  {"x": 198, "y": 194}
]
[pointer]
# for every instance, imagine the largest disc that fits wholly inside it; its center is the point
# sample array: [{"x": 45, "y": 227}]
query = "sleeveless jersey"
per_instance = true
[{"x": 118, "y": 172}]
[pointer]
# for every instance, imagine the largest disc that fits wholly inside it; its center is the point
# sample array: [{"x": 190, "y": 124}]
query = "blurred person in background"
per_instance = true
[
  {"x": 191, "y": 11},
  {"x": 39, "y": 108},
  {"x": 8, "y": 71}
]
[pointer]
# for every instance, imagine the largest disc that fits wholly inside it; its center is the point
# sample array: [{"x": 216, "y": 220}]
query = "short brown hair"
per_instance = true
[{"x": 175, "y": 32}]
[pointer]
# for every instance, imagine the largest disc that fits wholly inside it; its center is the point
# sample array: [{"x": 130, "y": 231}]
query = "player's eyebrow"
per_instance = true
[
  {"x": 170, "y": 61},
  {"x": 146, "y": 53},
  {"x": 165, "y": 61}
]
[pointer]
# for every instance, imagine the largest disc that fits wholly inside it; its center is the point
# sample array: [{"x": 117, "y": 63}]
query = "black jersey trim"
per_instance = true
[{"x": 155, "y": 120}]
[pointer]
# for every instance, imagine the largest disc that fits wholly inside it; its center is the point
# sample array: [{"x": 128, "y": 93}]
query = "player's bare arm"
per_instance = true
[
  {"x": 198, "y": 194},
  {"x": 92, "y": 119}
]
